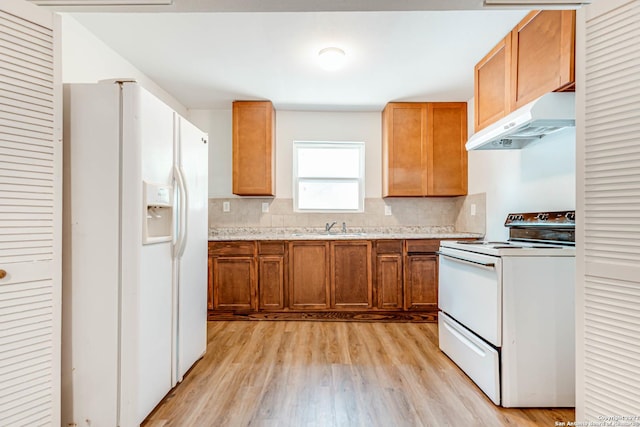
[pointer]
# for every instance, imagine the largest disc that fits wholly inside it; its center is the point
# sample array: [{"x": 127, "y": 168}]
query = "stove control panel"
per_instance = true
[{"x": 547, "y": 219}]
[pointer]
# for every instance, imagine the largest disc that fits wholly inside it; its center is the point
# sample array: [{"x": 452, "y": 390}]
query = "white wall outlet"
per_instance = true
[
  {"x": 265, "y": 207},
  {"x": 226, "y": 207},
  {"x": 387, "y": 210},
  {"x": 473, "y": 209}
]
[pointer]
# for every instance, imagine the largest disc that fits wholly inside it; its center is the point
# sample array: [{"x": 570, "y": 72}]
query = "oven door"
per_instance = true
[{"x": 470, "y": 291}]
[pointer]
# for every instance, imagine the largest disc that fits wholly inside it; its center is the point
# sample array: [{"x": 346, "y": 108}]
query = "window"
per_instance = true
[{"x": 328, "y": 176}]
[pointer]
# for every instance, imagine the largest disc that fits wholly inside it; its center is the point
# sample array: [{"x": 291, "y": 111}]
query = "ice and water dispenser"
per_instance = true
[{"x": 158, "y": 224}]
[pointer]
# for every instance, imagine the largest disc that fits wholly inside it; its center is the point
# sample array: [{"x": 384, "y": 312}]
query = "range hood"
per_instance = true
[{"x": 547, "y": 114}]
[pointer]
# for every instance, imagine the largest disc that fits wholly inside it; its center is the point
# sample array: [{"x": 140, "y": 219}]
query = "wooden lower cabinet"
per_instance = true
[
  {"x": 210, "y": 285},
  {"x": 234, "y": 283},
  {"x": 351, "y": 282},
  {"x": 421, "y": 282},
  {"x": 360, "y": 275},
  {"x": 388, "y": 274},
  {"x": 271, "y": 275},
  {"x": 389, "y": 281},
  {"x": 309, "y": 275}
]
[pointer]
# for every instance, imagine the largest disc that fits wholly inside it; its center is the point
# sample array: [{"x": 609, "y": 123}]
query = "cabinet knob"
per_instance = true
[{"x": 3, "y": 274}]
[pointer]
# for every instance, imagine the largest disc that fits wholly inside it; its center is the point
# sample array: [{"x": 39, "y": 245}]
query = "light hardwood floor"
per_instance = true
[{"x": 297, "y": 373}]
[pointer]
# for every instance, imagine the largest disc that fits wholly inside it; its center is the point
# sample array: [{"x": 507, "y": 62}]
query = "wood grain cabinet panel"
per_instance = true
[
  {"x": 421, "y": 274},
  {"x": 351, "y": 282},
  {"x": 309, "y": 275},
  {"x": 253, "y": 148},
  {"x": 492, "y": 88},
  {"x": 423, "y": 149},
  {"x": 210, "y": 283},
  {"x": 404, "y": 142},
  {"x": 447, "y": 155},
  {"x": 232, "y": 276},
  {"x": 271, "y": 275},
  {"x": 387, "y": 271},
  {"x": 389, "y": 281},
  {"x": 421, "y": 282},
  {"x": 234, "y": 283},
  {"x": 543, "y": 55},
  {"x": 271, "y": 280}
]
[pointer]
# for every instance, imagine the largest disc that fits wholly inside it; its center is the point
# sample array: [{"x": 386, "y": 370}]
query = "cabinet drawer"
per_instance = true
[
  {"x": 422, "y": 245},
  {"x": 389, "y": 246},
  {"x": 271, "y": 248},
  {"x": 476, "y": 358},
  {"x": 232, "y": 248}
]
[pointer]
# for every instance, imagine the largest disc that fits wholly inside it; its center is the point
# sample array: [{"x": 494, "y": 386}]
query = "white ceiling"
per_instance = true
[{"x": 207, "y": 60}]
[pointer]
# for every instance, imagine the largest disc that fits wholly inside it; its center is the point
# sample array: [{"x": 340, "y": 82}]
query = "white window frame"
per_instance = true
[{"x": 333, "y": 145}]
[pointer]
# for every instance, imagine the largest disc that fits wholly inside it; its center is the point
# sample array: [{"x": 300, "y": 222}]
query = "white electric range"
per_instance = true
[{"x": 507, "y": 310}]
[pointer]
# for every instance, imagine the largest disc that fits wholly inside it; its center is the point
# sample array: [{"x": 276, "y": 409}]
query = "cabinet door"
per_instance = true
[
  {"x": 271, "y": 275},
  {"x": 271, "y": 282},
  {"x": 389, "y": 281},
  {"x": 492, "y": 77},
  {"x": 421, "y": 282},
  {"x": 309, "y": 275},
  {"x": 447, "y": 155},
  {"x": 543, "y": 55},
  {"x": 234, "y": 283},
  {"x": 351, "y": 284},
  {"x": 403, "y": 149},
  {"x": 210, "y": 283},
  {"x": 253, "y": 154}
]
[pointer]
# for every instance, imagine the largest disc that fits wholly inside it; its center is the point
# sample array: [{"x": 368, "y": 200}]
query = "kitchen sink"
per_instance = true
[{"x": 328, "y": 235}]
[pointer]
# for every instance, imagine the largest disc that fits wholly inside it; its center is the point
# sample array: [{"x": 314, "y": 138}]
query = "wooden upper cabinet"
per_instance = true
[
  {"x": 423, "y": 149},
  {"x": 446, "y": 153},
  {"x": 542, "y": 55},
  {"x": 536, "y": 58},
  {"x": 492, "y": 77},
  {"x": 253, "y": 148},
  {"x": 404, "y": 140}
]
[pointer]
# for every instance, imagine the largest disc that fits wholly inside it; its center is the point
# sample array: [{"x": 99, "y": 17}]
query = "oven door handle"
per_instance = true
[{"x": 489, "y": 265}]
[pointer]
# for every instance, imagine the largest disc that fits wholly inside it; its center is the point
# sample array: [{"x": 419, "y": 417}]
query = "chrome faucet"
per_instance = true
[
  {"x": 327, "y": 226},
  {"x": 344, "y": 227}
]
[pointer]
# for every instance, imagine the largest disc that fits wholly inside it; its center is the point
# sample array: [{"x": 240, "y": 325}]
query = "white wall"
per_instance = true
[
  {"x": 87, "y": 59},
  {"x": 217, "y": 123},
  {"x": 328, "y": 126},
  {"x": 540, "y": 177},
  {"x": 290, "y": 126}
]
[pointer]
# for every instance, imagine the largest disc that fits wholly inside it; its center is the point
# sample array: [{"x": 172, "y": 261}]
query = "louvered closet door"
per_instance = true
[
  {"x": 609, "y": 342},
  {"x": 30, "y": 215}
]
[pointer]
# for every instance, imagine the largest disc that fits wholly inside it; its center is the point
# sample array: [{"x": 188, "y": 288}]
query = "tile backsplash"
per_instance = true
[{"x": 423, "y": 212}]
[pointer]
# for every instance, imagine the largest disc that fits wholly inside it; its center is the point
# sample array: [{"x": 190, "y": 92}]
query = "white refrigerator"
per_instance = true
[{"x": 134, "y": 252}]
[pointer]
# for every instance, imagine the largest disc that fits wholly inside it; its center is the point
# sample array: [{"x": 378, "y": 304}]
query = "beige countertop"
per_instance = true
[{"x": 353, "y": 233}]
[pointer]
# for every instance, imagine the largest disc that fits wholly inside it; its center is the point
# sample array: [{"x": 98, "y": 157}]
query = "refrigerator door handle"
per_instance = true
[{"x": 181, "y": 241}]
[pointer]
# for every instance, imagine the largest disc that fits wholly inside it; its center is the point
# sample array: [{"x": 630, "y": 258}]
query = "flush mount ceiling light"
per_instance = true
[{"x": 331, "y": 58}]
